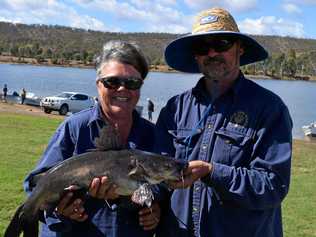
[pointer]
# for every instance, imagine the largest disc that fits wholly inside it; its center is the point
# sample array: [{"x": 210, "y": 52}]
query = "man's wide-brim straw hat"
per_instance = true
[{"x": 212, "y": 22}]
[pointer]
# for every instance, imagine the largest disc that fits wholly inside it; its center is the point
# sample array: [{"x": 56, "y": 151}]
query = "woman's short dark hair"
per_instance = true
[{"x": 123, "y": 52}]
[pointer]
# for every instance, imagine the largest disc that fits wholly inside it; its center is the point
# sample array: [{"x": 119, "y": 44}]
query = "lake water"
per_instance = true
[{"x": 300, "y": 96}]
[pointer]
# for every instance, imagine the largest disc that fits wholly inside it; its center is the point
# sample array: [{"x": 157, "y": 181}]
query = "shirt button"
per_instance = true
[
  {"x": 227, "y": 141},
  {"x": 209, "y": 125},
  {"x": 195, "y": 209},
  {"x": 204, "y": 147},
  {"x": 197, "y": 188}
]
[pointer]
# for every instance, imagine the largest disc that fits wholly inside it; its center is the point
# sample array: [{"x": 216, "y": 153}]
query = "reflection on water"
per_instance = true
[{"x": 300, "y": 96}]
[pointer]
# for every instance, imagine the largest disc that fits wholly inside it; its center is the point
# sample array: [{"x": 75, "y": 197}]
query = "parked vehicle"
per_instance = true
[
  {"x": 67, "y": 102},
  {"x": 310, "y": 130}
]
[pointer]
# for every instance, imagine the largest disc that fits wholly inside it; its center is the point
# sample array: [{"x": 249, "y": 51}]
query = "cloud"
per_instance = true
[
  {"x": 141, "y": 3},
  {"x": 152, "y": 16},
  {"x": 291, "y": 8},
  {"x": 231, "y": 5},
  {"x": 48, "y": 12},
  {"x": 270, "y": 25}
]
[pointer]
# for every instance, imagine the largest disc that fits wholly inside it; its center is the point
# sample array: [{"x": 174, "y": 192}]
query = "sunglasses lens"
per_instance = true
[
  {"x": 222, "y": 45},
  {"x": 130, "y": 83},
  {"x": 111, "y": 83},
  {"x": 133, "y": 83},
  {"x": 218, "y": 45}
]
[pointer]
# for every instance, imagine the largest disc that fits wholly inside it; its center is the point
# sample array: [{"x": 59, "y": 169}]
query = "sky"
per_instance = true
[{"x": 294, "y": 18}]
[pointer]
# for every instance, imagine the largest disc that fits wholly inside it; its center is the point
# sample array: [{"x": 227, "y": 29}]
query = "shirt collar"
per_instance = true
[{"x": 96, "y": 114}]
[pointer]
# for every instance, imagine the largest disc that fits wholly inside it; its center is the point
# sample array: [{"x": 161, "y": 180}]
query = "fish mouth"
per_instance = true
[{"x": 178, "y": 174}]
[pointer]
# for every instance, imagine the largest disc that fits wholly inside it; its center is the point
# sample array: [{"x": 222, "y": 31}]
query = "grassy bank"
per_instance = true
[{"x": 24, "y": 137}]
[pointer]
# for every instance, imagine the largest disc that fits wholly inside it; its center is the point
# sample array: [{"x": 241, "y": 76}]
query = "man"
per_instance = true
[
  {"x": 121, "y": 71},
  {"x": 235, "y": 134},
  {"x": 5, "y": 92},
  {"x": 150, "y": 109},
  {"x": 23, "y": 96}
]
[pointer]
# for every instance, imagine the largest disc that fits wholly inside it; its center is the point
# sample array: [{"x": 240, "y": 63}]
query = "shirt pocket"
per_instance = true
[
  {"x": 232, "y": 148},
  {"x": 182, "y": 141}
]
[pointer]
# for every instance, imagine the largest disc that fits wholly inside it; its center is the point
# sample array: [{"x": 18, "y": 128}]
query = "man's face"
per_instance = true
[
  {"x": 118, "y": 103},
  {"x": 218, "y": 58}
]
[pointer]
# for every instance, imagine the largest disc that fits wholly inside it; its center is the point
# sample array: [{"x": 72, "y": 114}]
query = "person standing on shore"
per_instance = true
[
  {"x": 150, "y": 109},
  {"x": 23, "y": 96},
  {"x": 121, "y": 71},
  {"x": 235, "y": 134},
  {"x": 5, "y": 92}
]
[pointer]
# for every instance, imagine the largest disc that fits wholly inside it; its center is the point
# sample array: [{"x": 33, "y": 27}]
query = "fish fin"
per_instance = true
[
  {"x": 143, "y": 195},
  {"x": 137, "y": 173},
  {"x": 108, "y": 139},
  {"x": 34, "y": 179}
]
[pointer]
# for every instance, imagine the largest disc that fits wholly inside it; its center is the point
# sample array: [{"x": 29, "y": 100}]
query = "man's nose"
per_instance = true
[{"x": 211, "y": 52}]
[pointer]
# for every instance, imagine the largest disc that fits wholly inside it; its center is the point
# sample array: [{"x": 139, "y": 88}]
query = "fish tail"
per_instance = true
[
  {"x": 16, "y": 225},
  {"x": 20, "y": 224}
]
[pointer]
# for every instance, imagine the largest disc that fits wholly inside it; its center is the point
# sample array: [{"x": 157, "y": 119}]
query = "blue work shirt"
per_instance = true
[
  {"x": 246, "y": 135},
  {"x": 75, "y": 136}
]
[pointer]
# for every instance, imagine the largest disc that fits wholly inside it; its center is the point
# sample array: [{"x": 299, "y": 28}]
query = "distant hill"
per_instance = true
[{"x": 61, "y": 44}]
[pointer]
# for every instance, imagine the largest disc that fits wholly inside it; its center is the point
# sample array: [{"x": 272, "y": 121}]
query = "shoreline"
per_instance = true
[{"x": 152, "y": 68}]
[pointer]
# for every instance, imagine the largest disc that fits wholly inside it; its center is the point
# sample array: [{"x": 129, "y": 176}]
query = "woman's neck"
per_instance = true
[{"x": 123, "y": 126}]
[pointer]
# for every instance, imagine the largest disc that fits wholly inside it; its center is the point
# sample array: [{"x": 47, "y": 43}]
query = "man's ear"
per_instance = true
[{"x": 241, "y": 49}]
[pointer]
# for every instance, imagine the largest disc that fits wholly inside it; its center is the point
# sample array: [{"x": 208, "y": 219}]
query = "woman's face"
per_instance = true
[{"x": 117, "y": 103}]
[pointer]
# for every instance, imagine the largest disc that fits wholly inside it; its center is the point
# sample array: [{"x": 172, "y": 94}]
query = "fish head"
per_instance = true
[{"x": 155, "y": 168}]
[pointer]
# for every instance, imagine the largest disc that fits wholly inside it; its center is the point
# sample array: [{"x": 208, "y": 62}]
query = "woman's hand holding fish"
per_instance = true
[
  {"x": 102, "y": 188},
  {"x": 196, "y": 170},
  {"x": 73, "y": 210},
  {"x": 149, "y": 217}
]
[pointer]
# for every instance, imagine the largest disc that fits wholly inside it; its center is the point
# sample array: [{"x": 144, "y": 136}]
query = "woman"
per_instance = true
[{"x": 121, "y": 69}]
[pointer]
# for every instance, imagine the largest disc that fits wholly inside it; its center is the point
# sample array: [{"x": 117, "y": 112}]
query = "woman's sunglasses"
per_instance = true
[
  {"x": 218, "y": 45},
  {"x": 114, "y": 82}
]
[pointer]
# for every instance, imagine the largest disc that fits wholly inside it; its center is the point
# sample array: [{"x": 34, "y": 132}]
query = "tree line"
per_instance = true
[{"x": 289, "y": 57}]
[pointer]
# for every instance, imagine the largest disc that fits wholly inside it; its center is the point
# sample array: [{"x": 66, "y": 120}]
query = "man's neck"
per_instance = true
[{"x": 216, "y": 88}]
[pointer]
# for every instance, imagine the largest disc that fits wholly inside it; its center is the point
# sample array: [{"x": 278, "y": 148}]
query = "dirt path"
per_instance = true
[{"x": 26, "y": 109}]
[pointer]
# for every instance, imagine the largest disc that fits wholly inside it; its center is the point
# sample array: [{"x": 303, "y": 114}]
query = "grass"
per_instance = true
[
  {"x": 22, "y": 141},
  {"x": 24, "y": 137}
]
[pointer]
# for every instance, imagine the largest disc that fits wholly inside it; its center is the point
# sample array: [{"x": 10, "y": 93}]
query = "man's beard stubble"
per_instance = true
[{"x": 214, "y": 68}]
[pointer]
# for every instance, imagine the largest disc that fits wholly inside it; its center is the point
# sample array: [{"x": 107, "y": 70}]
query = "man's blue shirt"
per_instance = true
[
  {"x": 74, "y": 136},
  {"x": 246, "y": 135}
]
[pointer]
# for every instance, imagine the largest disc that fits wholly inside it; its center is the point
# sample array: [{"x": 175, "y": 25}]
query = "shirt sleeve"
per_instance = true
[
  {"x": 60, "y": 147},
  {"x": 265, "y": 182}
]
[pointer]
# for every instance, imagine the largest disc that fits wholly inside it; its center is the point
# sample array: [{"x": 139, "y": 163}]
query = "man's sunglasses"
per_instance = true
[
  {"x": 114, "y": 82},
  {"x": 218, "y": 45}
]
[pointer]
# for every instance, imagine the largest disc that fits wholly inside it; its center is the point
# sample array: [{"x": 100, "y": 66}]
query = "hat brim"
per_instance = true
[{"x": 178, "y": 53}]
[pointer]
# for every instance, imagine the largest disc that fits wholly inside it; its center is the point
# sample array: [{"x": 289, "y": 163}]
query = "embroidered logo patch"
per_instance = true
[
  {"x": 208, "y": 19},
  {"x": 239, "y": 119}
]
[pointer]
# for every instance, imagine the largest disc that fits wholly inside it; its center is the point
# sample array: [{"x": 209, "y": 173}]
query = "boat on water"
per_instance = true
[{"x": 310, "y": 130}]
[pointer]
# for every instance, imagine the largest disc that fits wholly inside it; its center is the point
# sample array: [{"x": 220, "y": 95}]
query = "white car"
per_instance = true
[{"x": 67, "y": 102}]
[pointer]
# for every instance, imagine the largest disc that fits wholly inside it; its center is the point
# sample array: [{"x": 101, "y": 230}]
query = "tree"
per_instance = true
[
  {"x": 14, "y": 51},
  {"x": 289, "y": 67}
]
